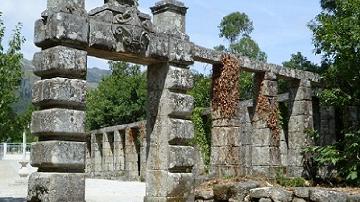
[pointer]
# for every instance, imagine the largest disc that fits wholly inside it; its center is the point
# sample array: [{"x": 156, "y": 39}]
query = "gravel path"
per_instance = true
[{"x": 13, "y": 189}]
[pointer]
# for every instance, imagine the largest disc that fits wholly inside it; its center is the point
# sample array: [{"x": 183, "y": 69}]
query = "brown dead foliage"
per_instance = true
[{"x": 225, "y": 91}]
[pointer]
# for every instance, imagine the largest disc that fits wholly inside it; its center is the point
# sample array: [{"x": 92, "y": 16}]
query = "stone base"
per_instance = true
[{"x": 56, "y": 187}]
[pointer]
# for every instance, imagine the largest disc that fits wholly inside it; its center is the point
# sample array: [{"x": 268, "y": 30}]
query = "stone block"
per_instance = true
[
  {"x": 178, "y": 105},
  {"x": 56, "y": 187},
  {"x": 227, "y": 155},
  {"x": 101, "y": 34},
  {"x": 179, "y": 79},
  {"x": 266, "y": 156},
  {"x": 300, "y": 123},
  {"x": 302, "y": 192},
  {"x": 269, "y": 88},
  {"x": 227, "y": 171},
  {"x": 295, "y": 171},
  {"x": 295, "y": 157},
  {"x": 60, "y": 61},
  {"x": 181, "y": 158},
  {"x": 298, "y": 140},
  {"x": 261, "y": 137},
  {"x": 158, "y": 46},
  {"x": 166, "y": 184},
  {"x": 327, "y": 196},
  {"x": 223, "y": 136},
  {"x": 64, "y": 123},
  {"x": 158, "y": 157},
  {"x": 62, "y": 28},
  {"x": 180, "y": 51},
  {"x": 180, "y": 131},
  {"x": 75, "y": 4},
  {"x": 300, "y": 93},
  {"x": 58, "y": 155},
  {"x": 302, "y": 107},
  {"x": 275, "y": 193},
  {"x": 59, "y": 92}
]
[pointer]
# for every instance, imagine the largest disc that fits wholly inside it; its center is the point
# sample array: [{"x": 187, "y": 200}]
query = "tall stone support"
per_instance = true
[
  {"x": 266, "y": 157},
  {"x": 119, "y": 154},
  {"x": 170, "y": 157},
  {"x": 131, "y": 154},
  {"x": 60, "y": 95},
  {"x": 229, "y": 143},
  {"x": 300, "y": 120}
]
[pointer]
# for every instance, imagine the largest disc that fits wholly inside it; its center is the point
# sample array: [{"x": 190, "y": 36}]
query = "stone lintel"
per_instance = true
[
  {"x": 64, "y": 123},
  {"x": 59, "y": 92},
  {"x": 62, "y": 28},
  {"x": 211, "y": 56},
  {"x": 56, "y": 187},
  {"x": 60, "y": 61},
  {"x": 58, "y": 155}
]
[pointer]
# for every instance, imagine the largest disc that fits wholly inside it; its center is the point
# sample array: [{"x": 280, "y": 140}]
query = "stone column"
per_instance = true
[
  {"x": 169, "y": 129},
  {"x": 119, "y": 152},
  {"x": 228, "y": 139},
  {"x": 300, "y": 120},
  {"x": 131, "y": 155},
  {"x": 266, "y": 134},
  {"x": 60, "y": 96}
]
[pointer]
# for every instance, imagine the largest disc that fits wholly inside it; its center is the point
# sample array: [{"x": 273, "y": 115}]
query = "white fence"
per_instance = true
[{"x": 14, "y": 151}]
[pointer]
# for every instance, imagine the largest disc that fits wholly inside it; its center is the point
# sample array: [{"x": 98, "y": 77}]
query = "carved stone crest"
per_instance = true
[{"x": 132, "y": 30}]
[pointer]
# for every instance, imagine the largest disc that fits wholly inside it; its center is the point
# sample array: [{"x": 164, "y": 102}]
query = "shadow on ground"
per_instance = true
[{"x": 10, "y": 199}]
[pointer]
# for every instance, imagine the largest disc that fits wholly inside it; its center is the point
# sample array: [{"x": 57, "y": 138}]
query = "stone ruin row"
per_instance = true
[{"x": 67, "y": 34}]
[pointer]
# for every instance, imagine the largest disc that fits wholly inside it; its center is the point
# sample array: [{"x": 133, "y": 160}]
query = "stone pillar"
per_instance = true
[
  {"x": 300, "y": 120},
  {"x": 228, "y": 139},
  {"x": 60, "y": 96},
  {"x": 266, "y": 133},
  {"x": 169, "y": 129},
  {"x": 131, "y": 155},
  {"x": 119, "y": 153}
]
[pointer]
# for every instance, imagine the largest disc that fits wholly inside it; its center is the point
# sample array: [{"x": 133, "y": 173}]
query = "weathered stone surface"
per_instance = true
[
  {"x": 302, "y": 192},
  {"x": 265, "y": 156},
  {"x": 62, "y": 28},
  {"x": 58, "y": 155},
  {"x": 169, "y": 16},
  {"x": 75, "y": 4},
  {"x": 204, "y": 194},
  {"x": 226, "y": 155},
  {"x": 269, "y": 88},
  {"x": 166, "y": 184},
  {"x": 59, "y": 92},
  {"x": 298, "y": 200},
  {"x": 223, "y": 136},
  {"x": 58, "y": 122},
  {"x": 353, "y": 198},
  {"x": 180, "y": 131},
  {"x": 180, "y": 51},
  {"x": 211, "y": 56},
  {"x": 56, "y": 187},
  {"x": 60, "y": 61},
  {"x": 179, "y": 79},
  {"x": 181, "y": 158},
  {"x": 303, "y": 107},
  {"x": 318, "y": 195},
  {"x": 265, "y": 200},
  {"x": 276, "y": 194},
  {"x": 178, "y": 105}
]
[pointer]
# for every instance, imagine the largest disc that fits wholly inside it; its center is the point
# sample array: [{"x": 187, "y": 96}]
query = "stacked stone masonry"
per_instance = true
[
  {"x": 67, "y": 34},
  {"x": 60, "y": 96}
]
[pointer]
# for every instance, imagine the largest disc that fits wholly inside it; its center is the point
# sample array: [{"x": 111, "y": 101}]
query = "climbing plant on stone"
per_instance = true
[{"x": 225, "y": 91}]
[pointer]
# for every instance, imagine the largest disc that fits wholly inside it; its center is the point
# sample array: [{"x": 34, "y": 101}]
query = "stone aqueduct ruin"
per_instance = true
[{"x": 67, "y": 34}]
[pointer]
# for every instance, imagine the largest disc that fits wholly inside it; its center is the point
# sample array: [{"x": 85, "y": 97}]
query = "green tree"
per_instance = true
[
  {"x": 249, "y": 48},
  {"x": 201, "y": 90},
  {"x": 10, "y": 80},
  {"x": 234, "y": 25},
  {"x": 336, "y": 32},
  {"x": 119, "y": 98},
  {"x": 298, "y": 61}
]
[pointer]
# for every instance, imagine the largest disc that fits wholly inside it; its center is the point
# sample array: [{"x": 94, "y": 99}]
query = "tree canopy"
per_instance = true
[
  {"x": 336, "y": 32},
  {"x": 119, "y": 99},
  {"x": 11, "y": 124}
]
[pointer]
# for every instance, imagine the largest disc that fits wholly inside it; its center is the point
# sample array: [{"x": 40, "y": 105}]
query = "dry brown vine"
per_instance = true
[
  {"x": 268, "y": 110},
  {"x": 225, "y": 90}
]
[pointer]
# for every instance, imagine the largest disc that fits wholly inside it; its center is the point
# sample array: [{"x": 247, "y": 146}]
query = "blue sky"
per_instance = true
[{"x": 280, "y": 25}]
